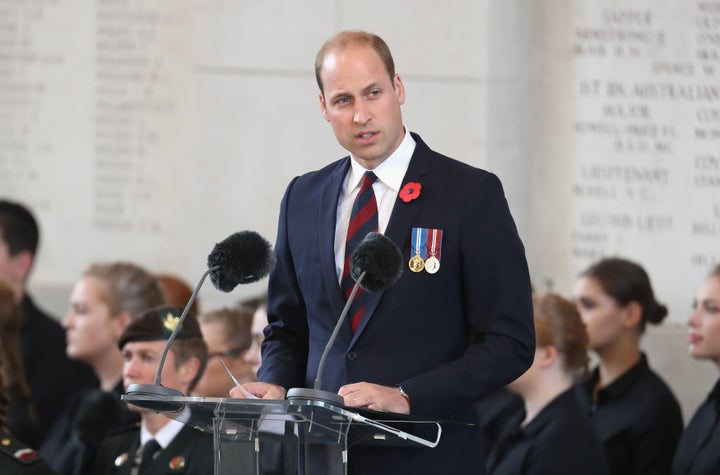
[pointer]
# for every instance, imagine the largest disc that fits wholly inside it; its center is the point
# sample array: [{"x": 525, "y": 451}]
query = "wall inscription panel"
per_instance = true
[
  {"x": 94, "y": 118},
  {"x": 646, "y": 140}
]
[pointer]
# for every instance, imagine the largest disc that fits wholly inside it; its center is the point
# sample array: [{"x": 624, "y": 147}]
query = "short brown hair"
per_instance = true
[
  {"x": 18, "y": 228},
  {"x": 347, "y": 39}
]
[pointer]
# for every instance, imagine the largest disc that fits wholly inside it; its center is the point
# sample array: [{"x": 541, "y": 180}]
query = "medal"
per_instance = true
[
  {"x": 417, "y": 263},
  {"x": 121, "y": 459},
  {"x": 177, "y": 463},
  {"x": 432, "y": 264}
]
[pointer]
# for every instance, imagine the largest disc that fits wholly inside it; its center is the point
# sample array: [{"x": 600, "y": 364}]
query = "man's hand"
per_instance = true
[
  {"x": 375, "y": 397},
  {"x": 257, "y": 389}
]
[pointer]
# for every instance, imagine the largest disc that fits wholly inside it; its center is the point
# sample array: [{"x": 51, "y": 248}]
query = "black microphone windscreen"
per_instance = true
[
  {"x": 380, "y": 259},
  {"x": 98, "y": 412},
  {"x": 243, "y": 257}
]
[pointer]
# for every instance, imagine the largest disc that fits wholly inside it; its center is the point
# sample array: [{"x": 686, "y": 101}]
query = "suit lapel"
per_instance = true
[
  {"x": 327, "y": 219},
  {"x": 401, "y": 221}
]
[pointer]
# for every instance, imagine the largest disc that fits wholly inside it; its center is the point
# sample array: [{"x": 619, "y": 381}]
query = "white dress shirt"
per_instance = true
[{"x": 390, "y": 174}]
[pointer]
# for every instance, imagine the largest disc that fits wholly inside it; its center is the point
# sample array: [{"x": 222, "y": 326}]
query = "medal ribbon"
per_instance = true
[
  {"x": 419, "y": 239},
  {"x": 436, "y": 243}
]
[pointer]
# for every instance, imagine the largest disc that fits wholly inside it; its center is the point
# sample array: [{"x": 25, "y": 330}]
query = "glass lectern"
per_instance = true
[{"x": 299, "y": 436}]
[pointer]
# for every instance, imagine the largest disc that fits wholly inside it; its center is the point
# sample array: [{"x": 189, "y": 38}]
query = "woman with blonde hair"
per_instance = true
[
  {"x": 103, "y": 302},
  {"x": 698, "y": 451},
  {"x": 551, "y": 436}
]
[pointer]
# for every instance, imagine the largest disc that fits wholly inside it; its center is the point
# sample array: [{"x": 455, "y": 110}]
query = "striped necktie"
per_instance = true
[{"x": 363, "y": 220}]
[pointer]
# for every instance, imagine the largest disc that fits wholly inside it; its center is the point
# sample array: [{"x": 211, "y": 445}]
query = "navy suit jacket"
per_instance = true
[{"x": 447, "y": 338}]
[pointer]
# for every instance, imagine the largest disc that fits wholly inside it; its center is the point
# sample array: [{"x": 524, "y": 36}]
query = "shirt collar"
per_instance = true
[
  {"x": 391, "y": 171},
  {"x": 166, "y": 434},
  {"x": 624, "y": 382}
]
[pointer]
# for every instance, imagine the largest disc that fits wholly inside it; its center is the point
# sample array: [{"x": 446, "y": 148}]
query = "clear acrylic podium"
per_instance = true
[{"x": 308, "y": 437}]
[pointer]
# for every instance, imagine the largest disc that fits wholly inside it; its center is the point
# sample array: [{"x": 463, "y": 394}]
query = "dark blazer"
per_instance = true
[
  {"x": 53, "y": 378},
  {"x": 87, "y": 419},
  {"x": 636, "y": 418},
  {"x": 447, "y": 339},
  {"x": 195, "y": 448},
  {"x": 495, "y": 411},
  {"x": 558, "y": 441},
  {"x": 698, "y": 452}
]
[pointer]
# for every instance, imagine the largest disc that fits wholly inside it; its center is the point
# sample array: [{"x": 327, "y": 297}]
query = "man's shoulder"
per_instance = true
[
  {"x": 36, "y": 317},
  {"x": 440, "y": 162},
  {"x": 329, "y": 169}
]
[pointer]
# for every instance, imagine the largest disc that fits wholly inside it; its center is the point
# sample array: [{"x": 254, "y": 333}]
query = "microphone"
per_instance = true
[
  {"x": 375, "y": 265},
  {"x": 241, "y": 258}
]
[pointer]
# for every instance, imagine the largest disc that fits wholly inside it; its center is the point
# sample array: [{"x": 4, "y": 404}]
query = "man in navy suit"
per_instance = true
[{"x": 456, "y": 325}]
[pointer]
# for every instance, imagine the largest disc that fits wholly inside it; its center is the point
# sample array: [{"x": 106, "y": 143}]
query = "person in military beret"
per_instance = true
[
  {"x": 16, "y": 458},
  {"x": 159, "y": 445}
]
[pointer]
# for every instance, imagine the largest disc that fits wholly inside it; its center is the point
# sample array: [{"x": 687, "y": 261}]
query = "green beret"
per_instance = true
[{"x": 158, "y": 324}]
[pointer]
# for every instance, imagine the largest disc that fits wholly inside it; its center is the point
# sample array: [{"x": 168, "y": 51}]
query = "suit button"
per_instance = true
[{"x": 351, "y": 356}]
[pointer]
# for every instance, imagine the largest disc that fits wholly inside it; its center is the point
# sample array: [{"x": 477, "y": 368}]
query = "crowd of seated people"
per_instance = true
[{"x": 62, "y": 378}]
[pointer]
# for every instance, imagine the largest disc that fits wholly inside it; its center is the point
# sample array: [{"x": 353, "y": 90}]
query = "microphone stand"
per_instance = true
[
  {"x": 317, "y": 393},
  {"x": 156, "y": 389}
]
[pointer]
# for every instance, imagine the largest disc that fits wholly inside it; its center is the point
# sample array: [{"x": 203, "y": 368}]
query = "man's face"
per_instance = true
[
  {"x": 362, "y": 103},
  {"x": 13, "y": 269}
]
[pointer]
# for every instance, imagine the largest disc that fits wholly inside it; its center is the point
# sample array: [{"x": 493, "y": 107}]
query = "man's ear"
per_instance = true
[
  {"x": 399, "y": 89},
  {"x": 323, "y": 106}
]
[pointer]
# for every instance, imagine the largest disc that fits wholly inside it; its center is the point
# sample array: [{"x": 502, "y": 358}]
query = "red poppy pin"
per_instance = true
[{"x": 410, "y": 191}]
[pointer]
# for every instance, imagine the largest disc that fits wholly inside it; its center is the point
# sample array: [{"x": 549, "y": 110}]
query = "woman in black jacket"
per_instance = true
[
  {"x": 106, "y": 298},
  {"x": 633, "y": 411},
  {"x": 551, "y": 436},
  {"x": 698, "y": 452}
]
